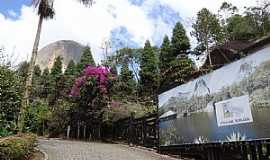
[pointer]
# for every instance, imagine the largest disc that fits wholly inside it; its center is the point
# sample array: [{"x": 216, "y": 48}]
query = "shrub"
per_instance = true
[
  {"x": 36, "y": 117},
  {"x": 17, "y": 147},
  {"x": 10, "y": 100}
]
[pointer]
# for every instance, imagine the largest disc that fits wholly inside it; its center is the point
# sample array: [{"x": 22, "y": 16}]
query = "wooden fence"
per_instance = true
[{"x": 144, "y": 131}]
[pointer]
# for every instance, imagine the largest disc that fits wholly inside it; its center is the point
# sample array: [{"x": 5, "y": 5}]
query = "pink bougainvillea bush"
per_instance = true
[{"x": 99, "y": 77}]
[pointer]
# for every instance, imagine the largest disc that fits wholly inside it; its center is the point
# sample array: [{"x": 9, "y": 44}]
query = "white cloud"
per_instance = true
[
  {"x": 12, "y": 13},
  {"x": 92, "y": 25}
]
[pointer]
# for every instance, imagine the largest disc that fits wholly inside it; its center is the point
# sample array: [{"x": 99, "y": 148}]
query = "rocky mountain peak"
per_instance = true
[{"x": 67, "y": 49}]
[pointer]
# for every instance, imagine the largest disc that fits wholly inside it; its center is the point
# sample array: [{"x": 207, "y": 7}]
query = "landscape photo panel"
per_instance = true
[{"x": 229, "y": 104}]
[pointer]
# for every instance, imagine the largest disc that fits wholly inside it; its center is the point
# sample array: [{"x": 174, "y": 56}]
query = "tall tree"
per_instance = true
[
  {"x": 22, "y": 70},
  {"x": 240, "y": 28},
  {"x": 86, "y": 59},
  {"x": 259, "y": 15},
  {"x": 207, "y": 30},
  {"x": 10, "y": 99},
  {"x": 71, "y": 68},
  {"x": 69, "y": 75},
  {"x": 174, "y": 69},
  {"x": 36, "y": 88},
  {"x": 57, "y": 81},
  {"x": 149, "y": 74},
  {"x": 180, "y": 42},
  {"x": 225, "y": 11},
  {"x": 45, "y": 84},
  {"x": 165, "y": 56},
  {"x": 128, "y": 84},
  {"x": 45, "y": 11},
  {"x": 180, "y": 70},
  {"x": 56, "y": 70}
]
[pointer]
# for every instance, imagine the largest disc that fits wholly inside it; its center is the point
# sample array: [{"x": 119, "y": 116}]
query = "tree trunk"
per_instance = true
[
  {"x": 28, "y": 83},
  {"x": 208, "y": 52}
]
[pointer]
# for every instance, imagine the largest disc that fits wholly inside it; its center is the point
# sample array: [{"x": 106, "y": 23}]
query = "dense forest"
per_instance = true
[{"x": 87, "y": 94}]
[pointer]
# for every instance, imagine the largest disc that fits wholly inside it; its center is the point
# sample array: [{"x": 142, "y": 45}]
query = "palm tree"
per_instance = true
[{"x": 45, "y": 11}]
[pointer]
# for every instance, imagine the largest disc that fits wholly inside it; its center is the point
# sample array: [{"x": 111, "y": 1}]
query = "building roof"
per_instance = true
[{"x": 232, "y": 51}]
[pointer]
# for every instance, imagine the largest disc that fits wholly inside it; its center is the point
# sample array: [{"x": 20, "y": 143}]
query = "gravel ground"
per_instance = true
[{"x": 75, "y": 150}]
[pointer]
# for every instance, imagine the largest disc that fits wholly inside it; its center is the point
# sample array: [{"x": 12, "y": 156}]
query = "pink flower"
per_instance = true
[{"x": 102, "y": 75}]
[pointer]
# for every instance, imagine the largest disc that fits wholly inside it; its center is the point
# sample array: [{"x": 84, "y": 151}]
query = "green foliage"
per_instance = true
[
  {"x": 45, "y": 82},
  {"x": 254, "y": 23},
  {"x": 22, "y": 70},
  {"x": 86, "y": 59},
  {"x": 258, "y": 16},
  {"x": 149, "y": 73},
  {"x": 240, "y": 28},
  {"x": 17, "y": 147},
  {"x": 180, "y": 42},
  {"x": 57, "y": 82},
  {"x": 60, "y": 118},
  {"x": 37, "y": 115},
  {"x": 207, "y": 28},
  {"x": 71, "y": 68},
  {"x": 69, "y": 77},
  {"x": 36, "y": 84},
  {"x": 174, "y": 68},
  {"x": 56, "y": 70},
  {"x": 165, "y": 55},
  {"x": 180, "y": 70},
  {"x": 10, "y": 99},
  {"x": 127, "y": 82}
]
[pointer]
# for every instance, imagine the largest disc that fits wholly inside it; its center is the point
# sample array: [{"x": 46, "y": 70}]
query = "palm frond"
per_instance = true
[
  {"x": 87, "y": 2},
  {"x": 45, "y": 8}
]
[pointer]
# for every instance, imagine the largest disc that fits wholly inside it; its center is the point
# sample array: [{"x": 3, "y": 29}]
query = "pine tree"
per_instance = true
[
  {"x": 71, "y": 68},
  {"x": 180, "y": 42},
  {"x": 128, "y": 84},
  {"x": 69, "y": 75},
  {"x": 180, "y": 70},
  {"x": 165, "y": 56},
  {"x": 45, "y": 84},
  {"x": 149, "y": 76},
  {"x": 175, "y": 66},
  {"x": 22, "y": 70},
  {"x": 36, "y": 88},
  {"x": 56, "y": 76},
  {"x": 56, "y": 70},
  {"x": 86, "y": 59}
]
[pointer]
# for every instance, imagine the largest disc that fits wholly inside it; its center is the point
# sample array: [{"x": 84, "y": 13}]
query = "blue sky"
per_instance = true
[
  {"x": 124, "y": 22},
  {"x": 6, "y": 6}
]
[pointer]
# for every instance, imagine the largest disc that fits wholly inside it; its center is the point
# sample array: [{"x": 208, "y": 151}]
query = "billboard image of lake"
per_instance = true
[{"x": 229, "y": 104}]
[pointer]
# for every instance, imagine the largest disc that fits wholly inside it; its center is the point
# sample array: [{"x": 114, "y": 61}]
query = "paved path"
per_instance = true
[{"x": 74, "y": 150}]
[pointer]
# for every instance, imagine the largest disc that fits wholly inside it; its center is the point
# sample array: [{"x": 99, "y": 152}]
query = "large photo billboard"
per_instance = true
[{"x": 229, "y": 104}]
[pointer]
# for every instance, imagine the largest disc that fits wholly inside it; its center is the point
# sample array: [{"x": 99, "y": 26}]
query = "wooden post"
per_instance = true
[
  {"x": 253, "y": 152},
  {"x": 260, "y": 152},
  {"x": 84, "y": 131},
  {"x": 144, "y": 132},
  {"x": 268, "y": 150},
  {"x": 68, "y": 131},
  {"x": 244, "y": 152},
  {"x": 78, "y": 129},
  {"x": 210, "y": 153}
]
